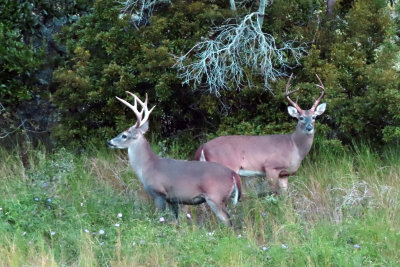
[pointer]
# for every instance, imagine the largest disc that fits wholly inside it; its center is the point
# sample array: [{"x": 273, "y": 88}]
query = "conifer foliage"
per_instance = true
[{"x": 151, "y": 46}]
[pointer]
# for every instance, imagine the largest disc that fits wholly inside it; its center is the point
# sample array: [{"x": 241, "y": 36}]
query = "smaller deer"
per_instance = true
[
  {"x": 176, "y": 181},
  {"x": 276, "y": 156}
]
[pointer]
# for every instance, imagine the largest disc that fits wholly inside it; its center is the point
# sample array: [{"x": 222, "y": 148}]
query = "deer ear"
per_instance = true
[
  {"x": 293, "y": 112},
  {"x": 320, "y": 109},
  {"x": 143, "y": 129}
]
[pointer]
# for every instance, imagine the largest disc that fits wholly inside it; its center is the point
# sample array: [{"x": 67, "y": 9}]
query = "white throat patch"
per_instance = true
[{"x": 243, "y": 172}]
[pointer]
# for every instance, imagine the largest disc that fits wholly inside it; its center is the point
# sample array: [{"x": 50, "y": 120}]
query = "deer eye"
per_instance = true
[
  {"x": 301, "y": 118},
  {"x": 313, "y": 117},
  {"x": 124, "y": 136}
]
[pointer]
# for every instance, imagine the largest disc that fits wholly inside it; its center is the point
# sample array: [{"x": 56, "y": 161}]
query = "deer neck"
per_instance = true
[
  {"x": 302, "y": 141},
  {"x": 141, "y": 157}
]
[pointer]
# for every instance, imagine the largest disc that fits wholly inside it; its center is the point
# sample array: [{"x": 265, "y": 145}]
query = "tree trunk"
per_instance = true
[
  {"x": 261, "y": 13},
  {"x": 233, "y": 5}
]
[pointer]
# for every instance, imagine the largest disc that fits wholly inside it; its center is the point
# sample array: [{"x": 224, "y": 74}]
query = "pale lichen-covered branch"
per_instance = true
[{"x": 235, "y": 55}]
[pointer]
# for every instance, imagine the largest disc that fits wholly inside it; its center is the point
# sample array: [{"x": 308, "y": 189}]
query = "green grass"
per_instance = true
[{"x": 341, "y": 210}]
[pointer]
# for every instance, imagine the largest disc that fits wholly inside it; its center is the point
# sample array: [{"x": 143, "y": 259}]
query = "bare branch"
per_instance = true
[
  {"x": 233, "y": 5},
  {"x": 5, "y": 134},
  {"x": 140, "y": 10},
  {"x": 237, "y": 53},
  {"x": 242, "y": 3}
]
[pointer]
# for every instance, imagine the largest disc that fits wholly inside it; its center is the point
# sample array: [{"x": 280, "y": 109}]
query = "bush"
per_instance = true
[{"x": 355, "y": 54}]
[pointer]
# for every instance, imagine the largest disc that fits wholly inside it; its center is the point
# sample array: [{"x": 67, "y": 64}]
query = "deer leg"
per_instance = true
[
  {"x": 219, "y": 211},
  {"x": 283, "y": 183},
  {"x": 174, "y": 207},
  {"x": 160, "y": 202},
  {"x": 273, "y": 180}
]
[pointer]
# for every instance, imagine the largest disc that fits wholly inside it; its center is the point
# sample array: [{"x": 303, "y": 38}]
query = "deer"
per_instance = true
[
  {"x": 171, "y": 181},
  {"x": 273, "y": 156}
]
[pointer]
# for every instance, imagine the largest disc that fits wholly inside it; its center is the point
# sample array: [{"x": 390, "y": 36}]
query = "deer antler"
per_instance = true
[
  {"x": 321, "y": 85},
  {"x": 294, "y": 104},
  {"x": 134, "y": 108}
]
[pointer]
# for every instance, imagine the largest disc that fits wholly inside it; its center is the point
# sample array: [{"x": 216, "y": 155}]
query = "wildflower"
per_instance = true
[
  {"x": 44, "y": 184},
  {"x": 134, "y": 244},
  {"x": 36, "y": 199},
  {"x": 102, "y": 243},
  {"x": 81, "y": 204},
  {"x": 116, "y": 225},
  {"x": 101, "y": 232},
  {"x": 142, "y": 242},
  {"x": 189, "y": 216},
  {"x": 1, "y": 208},
  {"x": 119, "y": 215},
  {"x": 264, "y": 214},
  {"x": 52, "y": 233},
  {"x": 239, "y": 236},
  {"x": 210, "y": 233},
  {"x": 87, "y": 231},
  {"x": 357, "y": 246},
  {"x": 284, "y": 246},
  {"x": 24, "y": 233},
  {"x": 162, "y": 219},
  {"x": 265, "y": 248},
  {"x": 49, "y": 200}
]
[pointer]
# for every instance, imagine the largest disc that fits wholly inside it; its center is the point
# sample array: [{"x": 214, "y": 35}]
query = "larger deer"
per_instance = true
[
  {"x": 176, "y": 181},
  {"x": 276, "y": 156}
]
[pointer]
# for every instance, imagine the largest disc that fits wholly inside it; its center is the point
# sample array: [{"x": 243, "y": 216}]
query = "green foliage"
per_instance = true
[
  {"x": 109, "y": 56},
  {"x": 354, "y": 58},
  {"x": 18, "y": 58},
  {"x": 355, "y": 54},
  {"x": 28, "y": 55}
]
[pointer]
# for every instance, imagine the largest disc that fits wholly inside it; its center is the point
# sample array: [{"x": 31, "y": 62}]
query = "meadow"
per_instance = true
[{"x": 342, "y": 209}]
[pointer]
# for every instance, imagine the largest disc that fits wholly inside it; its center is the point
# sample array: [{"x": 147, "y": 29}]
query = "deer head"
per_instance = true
[
  {"x": 306, "y": 118},
  {"x": 134, "y": 133}
]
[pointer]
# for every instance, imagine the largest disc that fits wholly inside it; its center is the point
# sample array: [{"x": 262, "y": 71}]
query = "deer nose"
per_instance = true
[
  {"x": 309, "y": 128},
  {"x": 109, "y": 143}
]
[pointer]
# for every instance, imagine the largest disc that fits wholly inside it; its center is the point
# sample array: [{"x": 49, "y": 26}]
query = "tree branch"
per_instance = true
[
  {"x": 236, "y": 54},
  {"x": 140, "y": 10}
]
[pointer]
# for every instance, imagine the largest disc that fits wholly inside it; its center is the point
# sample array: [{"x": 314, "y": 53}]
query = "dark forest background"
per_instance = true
[{"x": 63, "y": 62}]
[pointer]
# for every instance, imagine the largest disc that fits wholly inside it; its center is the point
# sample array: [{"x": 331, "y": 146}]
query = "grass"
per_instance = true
[{"x": 90, "y": 210}]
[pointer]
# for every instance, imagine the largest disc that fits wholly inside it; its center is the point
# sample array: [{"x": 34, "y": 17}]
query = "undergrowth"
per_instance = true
[{"x": 87, "y": 210}]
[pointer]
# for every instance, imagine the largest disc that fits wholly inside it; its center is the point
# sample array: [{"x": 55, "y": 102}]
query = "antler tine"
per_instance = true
[
  {"x": 134, "y": 109},
  {"x": 321, "y": 85},
  {"x": 294, "y": 104},
  {"x": 144, "y": 110}
]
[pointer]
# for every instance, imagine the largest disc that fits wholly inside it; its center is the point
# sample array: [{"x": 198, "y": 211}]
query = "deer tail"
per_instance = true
[
  {"x": 200, "y": 154},
  {"x": 237, "y": 188}
]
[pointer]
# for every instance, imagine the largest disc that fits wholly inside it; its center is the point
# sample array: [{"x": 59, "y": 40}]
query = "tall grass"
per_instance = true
[{"x": 88, "y": 210}]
